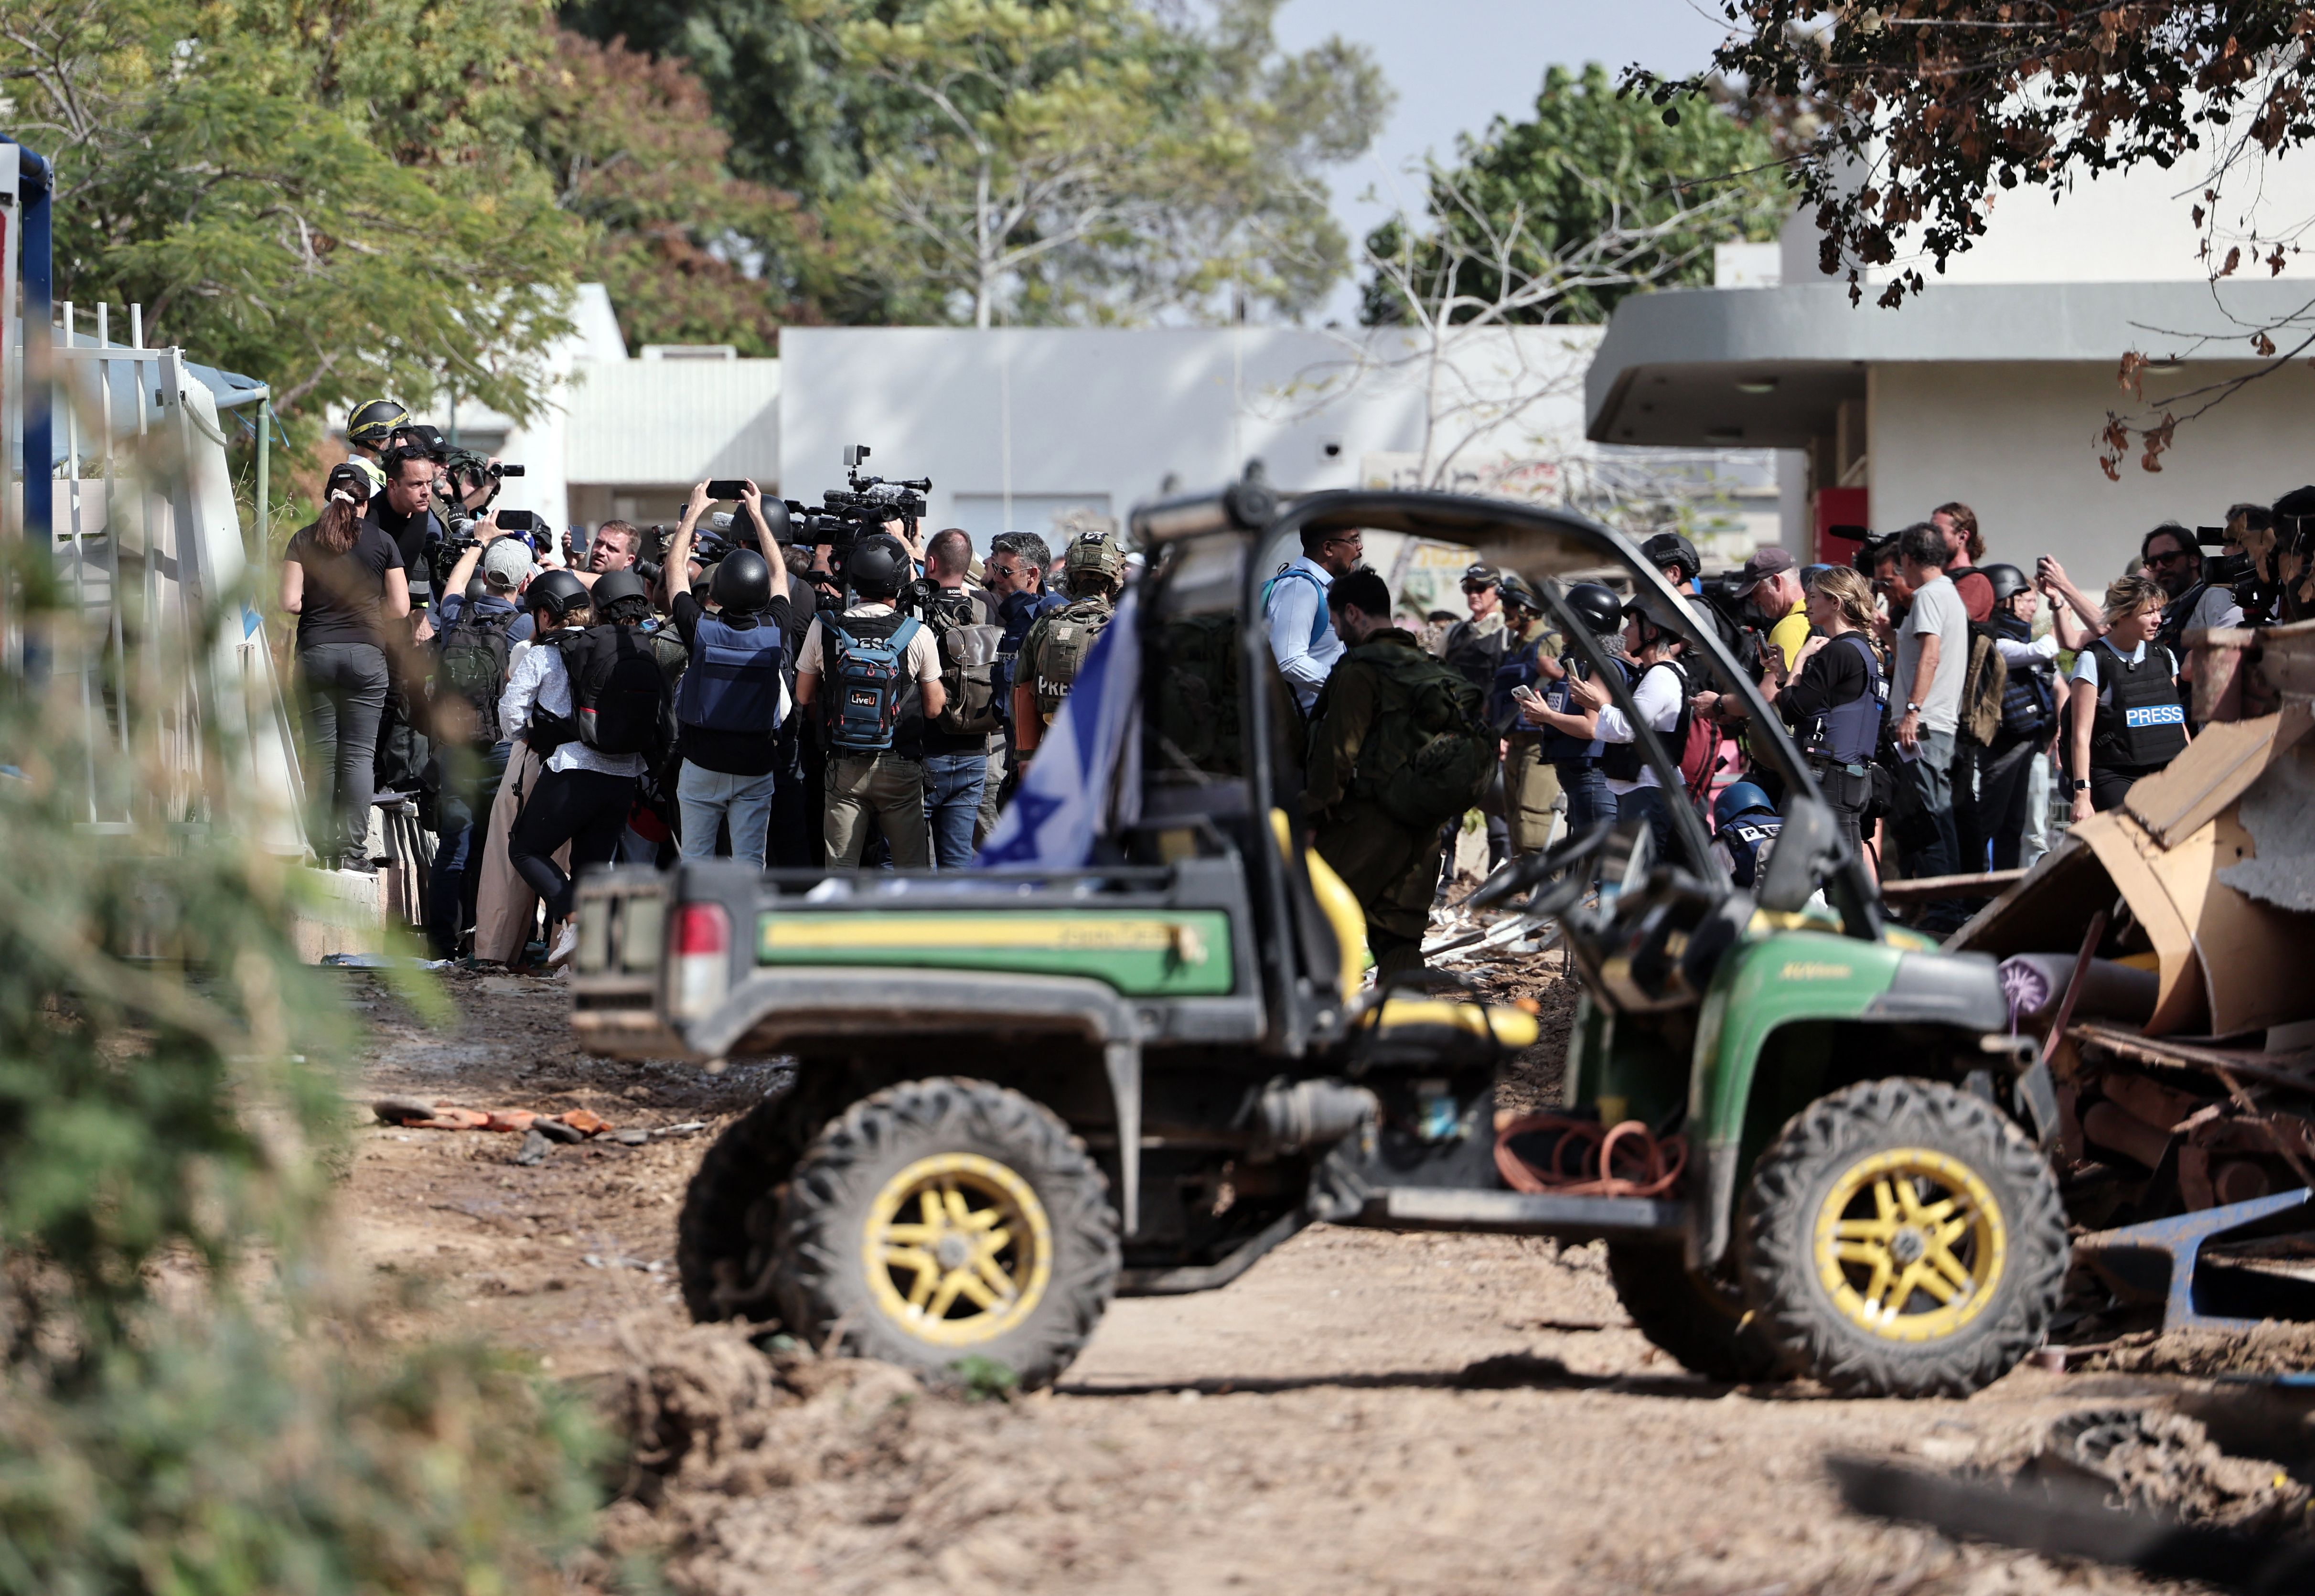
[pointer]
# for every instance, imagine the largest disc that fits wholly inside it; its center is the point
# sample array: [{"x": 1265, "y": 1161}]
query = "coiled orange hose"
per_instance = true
[{"x": 1650, "y": 1167}]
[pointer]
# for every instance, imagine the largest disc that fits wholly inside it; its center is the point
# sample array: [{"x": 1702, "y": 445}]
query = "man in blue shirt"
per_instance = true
[{"x": 1294, "y": 606}]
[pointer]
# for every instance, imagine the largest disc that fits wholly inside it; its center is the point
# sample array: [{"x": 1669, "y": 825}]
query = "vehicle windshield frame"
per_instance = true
[{"x": 1546, "y": 544}]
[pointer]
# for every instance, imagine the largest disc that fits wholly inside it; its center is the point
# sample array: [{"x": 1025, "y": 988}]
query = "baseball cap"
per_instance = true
[
  {"x": 1480, "y": 575},
  {"x": 506, "y": 563},
  {"x": 1766, "y": 562}
]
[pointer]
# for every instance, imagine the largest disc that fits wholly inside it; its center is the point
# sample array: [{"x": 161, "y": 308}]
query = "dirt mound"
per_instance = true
[
  {"x": 2148, "y": 1460},
  {"x": 753, "y": 1472},
  {"x": 2275, "y": 1347}
]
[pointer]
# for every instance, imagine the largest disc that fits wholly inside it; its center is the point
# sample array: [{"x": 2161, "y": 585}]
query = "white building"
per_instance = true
[{"x": 1993, "y": 385}]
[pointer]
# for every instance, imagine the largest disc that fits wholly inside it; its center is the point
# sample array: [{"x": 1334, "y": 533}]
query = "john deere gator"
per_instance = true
[{"x": 1020, "y": 1092}]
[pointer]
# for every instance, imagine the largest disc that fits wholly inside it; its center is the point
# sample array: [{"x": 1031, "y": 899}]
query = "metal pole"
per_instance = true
[
  {"x": 264, "y": 517},
  {"x": 39, "y": 268}
]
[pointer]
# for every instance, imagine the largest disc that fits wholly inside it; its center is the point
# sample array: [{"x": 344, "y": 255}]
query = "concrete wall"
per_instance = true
[
  {"x": 2019, "y": 443},
  {"x": 1056, "y": 421},
  {"x": 2132, "y": 226}
]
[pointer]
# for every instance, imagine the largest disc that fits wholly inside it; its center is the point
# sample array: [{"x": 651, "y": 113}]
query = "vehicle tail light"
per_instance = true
[{"x": 702, "y": 957}]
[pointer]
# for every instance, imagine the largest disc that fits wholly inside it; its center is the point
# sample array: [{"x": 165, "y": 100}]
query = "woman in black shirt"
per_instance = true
[
  {"x": 1835, "y": 699},
  {"x": 342, "y": 579}
]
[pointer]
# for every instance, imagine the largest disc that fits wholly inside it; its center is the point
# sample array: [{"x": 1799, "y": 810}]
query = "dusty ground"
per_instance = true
[{"x": 1360, "y": 1413}]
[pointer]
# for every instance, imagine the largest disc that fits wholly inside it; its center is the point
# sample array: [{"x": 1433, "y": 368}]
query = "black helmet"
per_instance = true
[
  {"x": 1597, "y": 606},
  {"x": 557, "y": 592},
  {"x": 2008, "y": 580},
  {"x": 879, "y": 564},
  {"x": 372, "y": 424},
  {"x": 742, "y": 582},
  {"x": 620, "y": 587},
  {"x": 1670, "y": 549},
  {"x": 1660, "y": 615},
  {"x": 1517, "y": 595}
]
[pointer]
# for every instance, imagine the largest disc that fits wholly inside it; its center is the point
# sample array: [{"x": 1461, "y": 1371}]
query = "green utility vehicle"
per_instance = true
[{"x": 1018, "y": 1093}]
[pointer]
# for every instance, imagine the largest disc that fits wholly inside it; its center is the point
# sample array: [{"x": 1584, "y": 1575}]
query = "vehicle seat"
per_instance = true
[{"x": 1330, "y": 924}]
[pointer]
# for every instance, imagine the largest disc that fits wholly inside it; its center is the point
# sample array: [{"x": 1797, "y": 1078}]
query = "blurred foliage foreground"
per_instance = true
[{"x": 199, "y": 1397}]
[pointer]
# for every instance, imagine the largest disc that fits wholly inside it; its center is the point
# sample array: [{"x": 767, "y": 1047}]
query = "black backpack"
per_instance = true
[
  {"x": 619, "y": 694},
  {"x": 469, "y": 677}
]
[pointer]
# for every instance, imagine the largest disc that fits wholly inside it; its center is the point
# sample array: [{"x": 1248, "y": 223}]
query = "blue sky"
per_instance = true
[{"x": 1456, "y": 62}]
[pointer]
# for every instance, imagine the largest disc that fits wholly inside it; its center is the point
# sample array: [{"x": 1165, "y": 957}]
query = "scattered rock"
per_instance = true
[
  {"x": 631, "y": 1137},
  {"x": 549, "y": 1126},
  {"x": 534, "y": 1149}
]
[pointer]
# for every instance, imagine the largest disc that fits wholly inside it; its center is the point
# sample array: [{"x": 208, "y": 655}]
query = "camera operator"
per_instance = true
[
  {"x": 728, "y": 705},
  {"x": 886, "y": 682}
]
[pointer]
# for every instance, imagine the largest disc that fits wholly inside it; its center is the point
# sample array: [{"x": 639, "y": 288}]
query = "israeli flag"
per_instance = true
[{"x": 1085, "y": 780}]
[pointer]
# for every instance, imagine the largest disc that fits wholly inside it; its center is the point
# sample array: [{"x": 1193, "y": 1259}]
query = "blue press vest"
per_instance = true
[
  {"x": 732, "y": 683},
  {"x": 1849, "y": 733}
]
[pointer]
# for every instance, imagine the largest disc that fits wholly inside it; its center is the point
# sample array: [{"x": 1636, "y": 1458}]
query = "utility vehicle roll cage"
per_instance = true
[{"x": 1547, "y": 546}]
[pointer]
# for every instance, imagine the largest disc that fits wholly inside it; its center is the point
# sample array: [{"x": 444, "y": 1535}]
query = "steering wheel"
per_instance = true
[{"x": 1525, "y": 872}]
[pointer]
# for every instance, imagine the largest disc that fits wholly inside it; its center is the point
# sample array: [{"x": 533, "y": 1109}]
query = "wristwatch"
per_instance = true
[
  {"x": 2081, "y": 786},
  {"x": 1912, "y": 709}
]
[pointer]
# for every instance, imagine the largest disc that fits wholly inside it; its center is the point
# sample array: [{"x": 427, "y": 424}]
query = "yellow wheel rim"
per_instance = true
[
  {"x": 957, "y": 1249},
  {"x": 1910, "y": 1244}
]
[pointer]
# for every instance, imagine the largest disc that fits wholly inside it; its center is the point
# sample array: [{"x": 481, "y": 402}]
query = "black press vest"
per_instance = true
[{"x": 2139, "y": 723}]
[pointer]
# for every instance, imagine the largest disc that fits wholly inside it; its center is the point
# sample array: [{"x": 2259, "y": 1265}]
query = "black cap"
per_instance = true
[{"x": 1480, "y": 574}]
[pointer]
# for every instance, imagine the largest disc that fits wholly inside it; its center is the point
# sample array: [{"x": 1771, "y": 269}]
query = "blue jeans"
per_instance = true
[
  {"x": 1589, "y": 801},
  {"x": 953, "y": 788},
  {"x": 743, "y": 803}
]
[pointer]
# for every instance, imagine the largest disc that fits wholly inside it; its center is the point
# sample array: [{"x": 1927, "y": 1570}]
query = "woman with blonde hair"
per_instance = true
[
  {"x": 1837, "y": 694},
  {"x": 2127, "y": 720}
]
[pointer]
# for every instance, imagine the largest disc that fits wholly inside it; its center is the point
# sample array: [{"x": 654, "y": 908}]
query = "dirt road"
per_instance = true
[{"x": 1360, "y": 1413}]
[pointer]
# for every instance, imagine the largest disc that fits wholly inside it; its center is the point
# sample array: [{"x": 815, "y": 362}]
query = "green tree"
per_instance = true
[
  {"x": 1072, "y": 160},
  {"x": 338, "y": 201},
  {"x": 691, "y": 252},
  {"x": 1600, "y": 195}
]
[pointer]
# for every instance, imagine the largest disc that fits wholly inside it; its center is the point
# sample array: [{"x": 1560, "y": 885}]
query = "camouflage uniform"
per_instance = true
[
  {"x": 1391, "y": 868},
  {"x": 1056, "y": 647}
]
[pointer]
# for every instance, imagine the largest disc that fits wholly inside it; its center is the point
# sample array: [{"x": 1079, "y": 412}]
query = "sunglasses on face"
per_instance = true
[
  {"x": 2172, "y": 558},
  {"x": 1476, "y": 587}
]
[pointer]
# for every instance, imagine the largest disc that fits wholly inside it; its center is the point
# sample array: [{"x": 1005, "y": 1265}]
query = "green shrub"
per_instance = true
[{"x": 192, "y": 1398}]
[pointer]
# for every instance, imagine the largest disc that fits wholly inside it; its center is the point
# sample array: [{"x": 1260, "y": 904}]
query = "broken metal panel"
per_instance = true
[{"x": 2278, "y": 812}]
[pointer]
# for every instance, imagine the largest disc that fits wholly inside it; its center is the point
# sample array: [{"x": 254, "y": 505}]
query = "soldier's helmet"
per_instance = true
[{"x": 1097, "y": 554}]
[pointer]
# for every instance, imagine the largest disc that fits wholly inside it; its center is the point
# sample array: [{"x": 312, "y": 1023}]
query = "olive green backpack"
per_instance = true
[{"x": 1430, "y": 753}]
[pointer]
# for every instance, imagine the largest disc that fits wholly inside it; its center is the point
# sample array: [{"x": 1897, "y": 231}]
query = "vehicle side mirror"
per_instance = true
[{"x": 1807, "y": 850}]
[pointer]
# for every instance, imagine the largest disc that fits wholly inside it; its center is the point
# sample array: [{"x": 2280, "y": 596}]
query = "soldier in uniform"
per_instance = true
[
  {"x": 1389, "y": 866},
  {"x": 1057, "y": 645}
]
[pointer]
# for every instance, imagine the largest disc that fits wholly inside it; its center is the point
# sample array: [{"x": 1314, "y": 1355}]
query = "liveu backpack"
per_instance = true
[{"x": 868, "y": 677}]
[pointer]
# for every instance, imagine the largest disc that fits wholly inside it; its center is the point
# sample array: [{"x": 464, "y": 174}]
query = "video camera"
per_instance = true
[{"x": 861, "y": 507}]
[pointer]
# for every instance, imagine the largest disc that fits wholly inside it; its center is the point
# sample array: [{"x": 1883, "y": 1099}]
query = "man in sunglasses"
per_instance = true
[
  {"x": 2173, "y": 557},
  {"x": 1294, "y": 609}
]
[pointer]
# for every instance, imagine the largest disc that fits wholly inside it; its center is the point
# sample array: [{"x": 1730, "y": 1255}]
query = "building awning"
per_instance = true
[
  {"x": 657, "y": 422},
  {"x": 1755, "y": 368}
]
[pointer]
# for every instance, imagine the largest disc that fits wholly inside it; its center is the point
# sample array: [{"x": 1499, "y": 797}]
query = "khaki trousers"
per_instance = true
[
  {"x": 891, "y": 788},
  {"x": 1531, "y": 787},
  {"x": 506, "y": 910}
]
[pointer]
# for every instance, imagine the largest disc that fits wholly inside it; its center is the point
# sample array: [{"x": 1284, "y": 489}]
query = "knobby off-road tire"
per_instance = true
[
  {"x": 728, "y": 1224},
  {"x": 1905, "y": 1239},
  {"x": 1698, "y": 1320},
  {"x": 941, "y": 1220}
]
